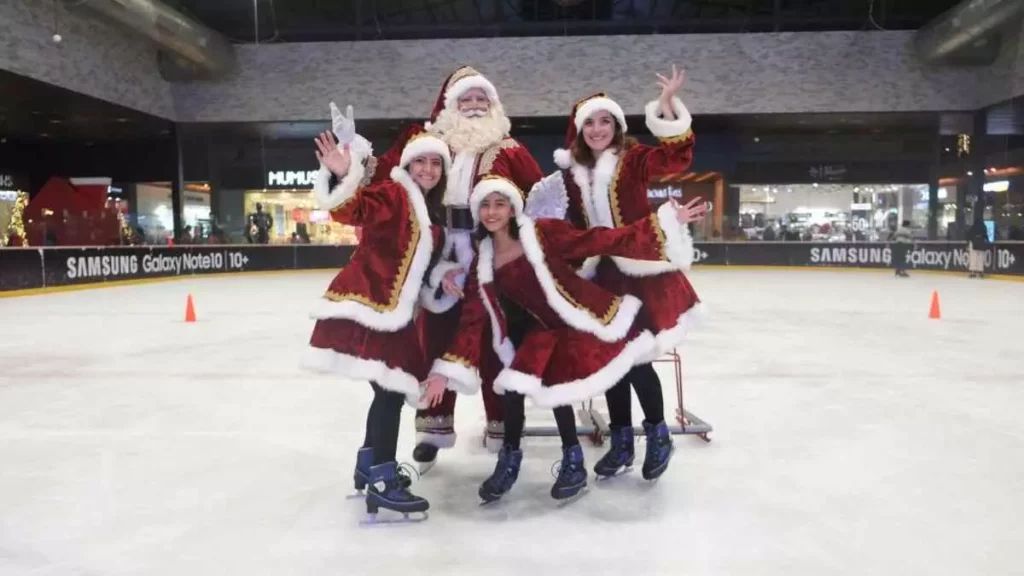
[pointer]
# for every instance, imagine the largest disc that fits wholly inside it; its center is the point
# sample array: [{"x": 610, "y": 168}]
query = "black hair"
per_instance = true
[{"x": 435, "y": 201}]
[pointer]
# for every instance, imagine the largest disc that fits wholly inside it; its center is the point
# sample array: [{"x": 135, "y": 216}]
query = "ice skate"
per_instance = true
[
  {"x": 572, "y": 475},
  {"x": 385, "y": 490},
  {"x": 619, "y": 458},
  {"x": 506, "y": 472},
  {"x": 361, "y": 476},
  {"x": 425, "y": 455},
  {"x": 659, "y": 450}
]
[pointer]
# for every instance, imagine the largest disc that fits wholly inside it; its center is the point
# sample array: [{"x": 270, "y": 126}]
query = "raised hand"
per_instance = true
[
  {"x": 336, "y": 159},
  {"x": 343, "y": 125},
  {"x": 691, "y": 211},
  {"x": 669, "y": 87}
]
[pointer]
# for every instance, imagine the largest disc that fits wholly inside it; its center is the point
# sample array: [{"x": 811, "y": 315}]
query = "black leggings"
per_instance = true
[
  {"x": 515, "y": 417},
  {"x": 382, "y": 423},
  {"x": 648, "y": 391}
]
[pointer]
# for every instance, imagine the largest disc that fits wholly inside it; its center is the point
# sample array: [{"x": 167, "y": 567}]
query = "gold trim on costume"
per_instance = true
[
  {"x": 403, "y": 272},
  {"x": 662, "y": 253},
  {"x": 676, "y": 139},
  {"x": 610, "y": 313},
  {"x": 491, "y": 154},
  {"x": 464, "y": 72},
  {"x": 371, "y": 169},
  {"x": 613, "y": 193},
  {"x": 449, "y": 357},
  {"x": 434, "y": 422}
]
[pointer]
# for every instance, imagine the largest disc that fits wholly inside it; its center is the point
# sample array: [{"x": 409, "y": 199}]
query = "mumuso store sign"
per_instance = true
[{"x": 291, "y": 178}]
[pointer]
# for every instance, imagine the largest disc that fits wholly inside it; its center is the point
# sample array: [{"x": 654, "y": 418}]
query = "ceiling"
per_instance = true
[
  {"x": 334, "y": 20},
  {"x": 36, "y": 111}
]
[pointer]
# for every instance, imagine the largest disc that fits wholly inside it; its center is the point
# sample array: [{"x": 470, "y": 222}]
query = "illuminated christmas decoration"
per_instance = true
[
  {"x": 16, "y": 229},
  {"x": 963, "y": 145}
]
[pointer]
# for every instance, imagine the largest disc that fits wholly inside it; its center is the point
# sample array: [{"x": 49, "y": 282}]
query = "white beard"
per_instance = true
[{"x": 473, "y": 135}]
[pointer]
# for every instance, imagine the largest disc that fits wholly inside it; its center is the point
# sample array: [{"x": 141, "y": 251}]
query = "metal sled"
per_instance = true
[{"x": 594, "y": 425}]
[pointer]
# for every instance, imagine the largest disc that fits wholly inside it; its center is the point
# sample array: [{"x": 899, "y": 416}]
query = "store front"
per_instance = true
[
  {"x": 294, "y": 215},
  {"x": 708, "y": 186}
]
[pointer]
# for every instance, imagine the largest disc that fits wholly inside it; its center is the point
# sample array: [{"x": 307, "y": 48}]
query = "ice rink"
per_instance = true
[{"x": 853, "y": 435}]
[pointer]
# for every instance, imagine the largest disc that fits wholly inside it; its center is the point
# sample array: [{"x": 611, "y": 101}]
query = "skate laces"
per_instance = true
[{"x": 407, "y": 471}]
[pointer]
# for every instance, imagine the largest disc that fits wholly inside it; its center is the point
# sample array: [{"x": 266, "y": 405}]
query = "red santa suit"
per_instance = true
[
  {"x": 364, "y": 321},
  {"x": 504, "y": 157},
  {"x": 585, "y": 338},
  {"x": 613, "y": 193}
]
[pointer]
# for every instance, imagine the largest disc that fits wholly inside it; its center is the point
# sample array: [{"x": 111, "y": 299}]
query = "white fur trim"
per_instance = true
[
  {"x": 457, "y": 244},
  {"x": 488, "y": 186},
  {"x": 451, "y": 97},
  {"x": 442, "y": 268},
  {"x": 580, "y": 319},
  {"x": 600, "y": 103},
  {"x": 563, "y": 158},
  {"x": 668, "y": 339},
  {"x": 568, "y": 393},
  {"x": 678, "y": 248},
  {"x": 667, "y": 128},
  {"x": 461, "y": 379},
  {"x": 329, "y": 199},
  {"x": 485, "y": 275},
  {"x": 436, "y": 439},
  {"x": 596, "y": 199},
  {"x": 325, "y": 360},
  {"x": 420, "y": 145},
  {"x": 402, "y": 314},
  {"x": 678, "y": 241},
  {"x": 548, "y": 198}
]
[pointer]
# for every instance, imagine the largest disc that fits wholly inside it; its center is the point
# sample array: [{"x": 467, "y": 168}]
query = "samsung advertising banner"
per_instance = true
[{"x": 27, "y": 268}]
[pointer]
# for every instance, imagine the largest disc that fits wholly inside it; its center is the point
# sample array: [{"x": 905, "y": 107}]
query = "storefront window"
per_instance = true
[
  {"x": 293, "y": 219},
  {"x": 832, "y": 212},
  {"x": 155, "y": 212}
]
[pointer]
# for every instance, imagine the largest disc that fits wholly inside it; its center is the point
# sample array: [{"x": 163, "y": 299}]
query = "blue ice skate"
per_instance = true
[
  {"x": 361, "y": 476},
  {"x": 619, "y": 456},
  {"x": 572, "y": 475},
  {"x": 659, "y": 450},
  {"x": 386, "y": 490},
  {"x": 506, "y": 472}
]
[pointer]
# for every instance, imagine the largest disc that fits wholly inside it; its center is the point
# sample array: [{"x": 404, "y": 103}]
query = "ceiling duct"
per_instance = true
[
  {"x": 968, "y": 33},
  {"x": 189, "y": 50}
]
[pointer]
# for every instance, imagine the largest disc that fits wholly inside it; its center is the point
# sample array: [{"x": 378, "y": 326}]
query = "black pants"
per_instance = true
[
  {"x": 648, "y": 391},
  {"x": 515, "y": 418},
  {"x": 899, "y": 256},
  {"x": 382, "y": 423}
]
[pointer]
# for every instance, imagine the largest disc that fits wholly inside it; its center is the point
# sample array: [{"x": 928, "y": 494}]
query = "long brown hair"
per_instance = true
[
  {"x": 435, "y": 201},
  {"x": 584, "y": 156}
]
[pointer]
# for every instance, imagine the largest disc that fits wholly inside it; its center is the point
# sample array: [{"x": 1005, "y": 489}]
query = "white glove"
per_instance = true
[
  {"x": 343, "y": 125},
  {"x": 344, "y": 128}
]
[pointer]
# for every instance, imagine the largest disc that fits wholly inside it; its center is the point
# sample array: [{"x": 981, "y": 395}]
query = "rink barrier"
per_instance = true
[{"x": 32, "y": 269}]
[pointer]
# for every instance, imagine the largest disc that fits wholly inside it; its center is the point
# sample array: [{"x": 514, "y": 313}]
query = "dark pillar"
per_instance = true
[
  {"x": 934, "y": 208},
  {"x": 178, "y": 182},
  {"x": 976, "y": 182}
]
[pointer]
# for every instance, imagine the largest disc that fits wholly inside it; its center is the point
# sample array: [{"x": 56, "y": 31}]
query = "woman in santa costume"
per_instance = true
[
  {"x": 603, "y": 181},
  {"x": 365, "y": 328},
  {"x": 583, "y": 338}
]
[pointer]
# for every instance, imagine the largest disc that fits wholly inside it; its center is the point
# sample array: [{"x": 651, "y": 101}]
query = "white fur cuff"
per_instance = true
[
  {"x": 678, "y": 242},
  {"x": 461, "y": 378},
  {"x": 442, "y": 268},
  {"x": 668, "y": 128},
  {"x": 329, "y": 199}
]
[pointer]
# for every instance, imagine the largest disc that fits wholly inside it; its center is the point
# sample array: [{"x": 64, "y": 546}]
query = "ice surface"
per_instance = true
[{"x": 852, "y": 436}]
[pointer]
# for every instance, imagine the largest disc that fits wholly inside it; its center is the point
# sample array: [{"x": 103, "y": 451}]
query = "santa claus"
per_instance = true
[{"x": 469, "y": 117}]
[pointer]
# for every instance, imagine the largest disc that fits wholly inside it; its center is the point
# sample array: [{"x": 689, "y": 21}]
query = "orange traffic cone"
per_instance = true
[
  {"x": 190, "y": 310},
  {"x": 934, "y": 313}
]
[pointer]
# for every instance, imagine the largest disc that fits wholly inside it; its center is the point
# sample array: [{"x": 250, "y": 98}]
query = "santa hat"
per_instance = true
[
  {"x": 499, "y": 184},
  {"x": 457, "y": 84},
  {"x": 424, "y": 143},
  {"x": 582, "y": 110}
]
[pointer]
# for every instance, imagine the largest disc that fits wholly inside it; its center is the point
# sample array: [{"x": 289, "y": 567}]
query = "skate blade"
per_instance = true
[
  {"x": 373, "y": 519},
  {"x": 620, "y": 472},
  {"x": 563, "y": 502}
]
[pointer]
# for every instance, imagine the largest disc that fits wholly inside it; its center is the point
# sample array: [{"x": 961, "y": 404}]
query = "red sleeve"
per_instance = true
[
  {"x": 383, "y": 164},
  {"x": 659, "y": 237},
  {"x": 522, "y": 168},
  {"x": 674, "y": 152},
  {"x": 461, "y": 361},
  {"x": 369, "y": 206}
]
